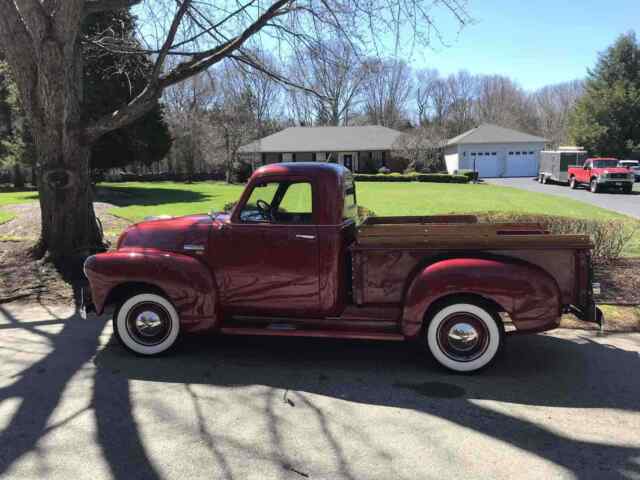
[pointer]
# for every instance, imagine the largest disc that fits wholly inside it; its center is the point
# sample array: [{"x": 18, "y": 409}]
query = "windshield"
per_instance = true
[{"x": 605, "y": 163}]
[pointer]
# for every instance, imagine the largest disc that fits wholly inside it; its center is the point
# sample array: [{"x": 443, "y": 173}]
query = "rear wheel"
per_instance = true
[
  {"x": 628, "y": 189},
  {"x": 147, "y": 324},
  {"x": 572, "y": 183},
  {"x": 465, "y": 336},
  {"x": 545, "y": 179},
  {"x": 595, "y": 188},
  {"x": 540, "y": 177}
]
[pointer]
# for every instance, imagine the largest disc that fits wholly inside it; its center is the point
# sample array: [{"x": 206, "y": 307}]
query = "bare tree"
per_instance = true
[
  {"x": 387, "y": 89},
  {"x": 41, "y": 40},
  {"x": 501, "y": 101},
  {"x": 421, "y": 147},
  {"x": 553, "y": 104},
  {"x": 334, "y": 70}
]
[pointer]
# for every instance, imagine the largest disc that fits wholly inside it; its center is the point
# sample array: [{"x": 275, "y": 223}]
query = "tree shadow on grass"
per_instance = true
[
  {"x": 536, "y": 370},
  {"x": 129, "y": 196}
]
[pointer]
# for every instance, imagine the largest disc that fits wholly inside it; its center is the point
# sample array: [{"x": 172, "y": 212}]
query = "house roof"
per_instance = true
[
  {"x": 325, "y": 139},
  {"x": 488, "y": 133}
]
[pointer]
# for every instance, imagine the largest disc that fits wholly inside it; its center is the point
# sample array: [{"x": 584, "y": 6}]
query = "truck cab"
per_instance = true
[
  {"x": 293, "y": 258},
  {"x": 600, "y": 174}
]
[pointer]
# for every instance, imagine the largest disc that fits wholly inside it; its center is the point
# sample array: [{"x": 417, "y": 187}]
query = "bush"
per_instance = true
[
  {"x": 609, "y": 237},
  {"x": 384, "y": 170},
  {"x": 411, "y": 177},
  {"x": 470, "y": 174}
]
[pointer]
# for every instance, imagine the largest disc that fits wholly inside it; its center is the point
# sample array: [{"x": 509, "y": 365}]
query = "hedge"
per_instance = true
[{"x": 411, "y": 177}]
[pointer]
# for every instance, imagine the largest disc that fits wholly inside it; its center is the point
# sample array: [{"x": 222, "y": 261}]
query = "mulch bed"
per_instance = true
[{"x": 619, "y": 281}]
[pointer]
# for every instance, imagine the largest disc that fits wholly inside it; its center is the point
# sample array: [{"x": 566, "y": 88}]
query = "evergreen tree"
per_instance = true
[{"x": 606, "y": 120}]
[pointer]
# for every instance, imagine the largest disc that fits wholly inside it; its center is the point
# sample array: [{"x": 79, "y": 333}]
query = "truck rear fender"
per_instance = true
[
  {"x": 526, "y": 292},
  {"x": 184, "y": 280}
]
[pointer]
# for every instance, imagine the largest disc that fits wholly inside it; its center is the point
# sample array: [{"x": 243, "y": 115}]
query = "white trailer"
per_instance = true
[{"x": 555, "y": 163}]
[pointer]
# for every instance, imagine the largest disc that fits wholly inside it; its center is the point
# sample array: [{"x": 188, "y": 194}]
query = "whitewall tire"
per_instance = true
[
  {"x": 464, "y": 337},
  {"x": 147, "y": 324}
]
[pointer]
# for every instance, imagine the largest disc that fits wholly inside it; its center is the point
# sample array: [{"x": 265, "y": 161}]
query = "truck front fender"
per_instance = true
[
  {"x": 526, "y": 292},
  {"x": 186, "y": 281}
]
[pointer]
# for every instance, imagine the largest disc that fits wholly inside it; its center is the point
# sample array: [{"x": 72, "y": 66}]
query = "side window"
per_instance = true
[{"x": 279, "y": 202}]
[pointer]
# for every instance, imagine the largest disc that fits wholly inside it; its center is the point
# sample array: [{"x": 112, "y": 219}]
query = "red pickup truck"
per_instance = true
[
  {"x": 601, "y": 173},
  {"x": 293, "y": 259}
]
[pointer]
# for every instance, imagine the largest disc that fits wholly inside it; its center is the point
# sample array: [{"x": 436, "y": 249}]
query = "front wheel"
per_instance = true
[
  {"x": 147, "y": 324},
  {"x": 464, "y": 337},
  {"x": 628, "y": 189},
  {"x": 595, "y": 188},
  {"x": 572, "y": 183}
]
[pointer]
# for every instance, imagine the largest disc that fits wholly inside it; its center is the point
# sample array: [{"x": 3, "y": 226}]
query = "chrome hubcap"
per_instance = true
[
  {"x": 463, "y": 337},
  {"x": 148, "y": 323}
]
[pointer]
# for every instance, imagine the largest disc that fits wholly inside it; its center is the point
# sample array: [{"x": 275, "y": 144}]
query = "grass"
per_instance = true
[
  {"x": 5, "y": 217},
  {"x": 16, "y": 196},
  {"x": 138, "y": 200}
]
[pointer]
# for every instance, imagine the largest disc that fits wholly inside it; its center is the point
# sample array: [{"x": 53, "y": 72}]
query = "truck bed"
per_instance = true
[{"x": 387, "y": 250}]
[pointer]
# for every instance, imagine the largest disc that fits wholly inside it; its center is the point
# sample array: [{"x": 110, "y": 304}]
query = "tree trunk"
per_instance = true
[
  {"x": 69, "y": 225},
  {"x": 18, "y": 178}
]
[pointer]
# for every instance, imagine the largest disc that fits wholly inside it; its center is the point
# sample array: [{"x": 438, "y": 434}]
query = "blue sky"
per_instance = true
[{"x": 535, "y": 42}]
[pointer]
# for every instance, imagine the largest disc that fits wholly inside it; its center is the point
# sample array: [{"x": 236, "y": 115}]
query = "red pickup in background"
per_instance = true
[{"x": 600, "y": 174}]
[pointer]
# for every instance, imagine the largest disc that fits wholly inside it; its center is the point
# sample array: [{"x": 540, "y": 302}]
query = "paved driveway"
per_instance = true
[
  {"x": 75, "y": 405},
  {"x": 619, "y": 202}
]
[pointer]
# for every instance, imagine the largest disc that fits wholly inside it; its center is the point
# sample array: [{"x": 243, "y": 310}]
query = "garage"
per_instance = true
[
  {"x": 521, "y": 163},
  {"x": 487, "y": 164},
  {"x": 495, "y": 151}
]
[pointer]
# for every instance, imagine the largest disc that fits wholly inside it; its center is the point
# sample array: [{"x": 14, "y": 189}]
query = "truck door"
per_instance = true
[{"x": 271, "y": 265}]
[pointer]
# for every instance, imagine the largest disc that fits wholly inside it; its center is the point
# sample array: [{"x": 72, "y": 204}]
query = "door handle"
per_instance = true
[{"x": 306, "y": 237}]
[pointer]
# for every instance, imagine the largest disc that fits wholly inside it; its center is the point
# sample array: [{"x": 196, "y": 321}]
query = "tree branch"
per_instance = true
[
  {"x": 201, "y": 61},
  {"x": 166, "y": 46}
]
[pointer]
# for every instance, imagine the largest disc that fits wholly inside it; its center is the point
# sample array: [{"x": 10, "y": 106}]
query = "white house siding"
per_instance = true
[
  {"x": 500, "y": 159},
  {"x": 451, "y": 159}
]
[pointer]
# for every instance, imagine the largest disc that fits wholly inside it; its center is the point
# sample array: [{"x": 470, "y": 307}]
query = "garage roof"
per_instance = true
[
  {"x": 325, "y": 139},
  {"x": 488, "y": 133}
]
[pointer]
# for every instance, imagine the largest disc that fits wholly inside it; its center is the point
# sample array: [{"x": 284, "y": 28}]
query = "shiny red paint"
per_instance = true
[{"x": 315, "y": 280}]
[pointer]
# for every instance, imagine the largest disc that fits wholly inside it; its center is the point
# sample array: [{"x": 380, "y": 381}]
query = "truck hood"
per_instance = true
[{"x": 189, "y": 233}]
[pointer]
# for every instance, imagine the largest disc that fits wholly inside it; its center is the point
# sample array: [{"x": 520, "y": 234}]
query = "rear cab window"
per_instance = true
[{"x": 350, "y": 210}]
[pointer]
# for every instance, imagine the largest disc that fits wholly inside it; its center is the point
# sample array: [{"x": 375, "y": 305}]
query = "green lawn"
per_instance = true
[
  {"x": 13, "y": 197},
  {"x": 138, "y": 200}
]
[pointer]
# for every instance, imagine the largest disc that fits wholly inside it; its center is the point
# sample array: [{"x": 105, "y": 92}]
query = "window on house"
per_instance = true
[
  {"x": 510, "y": 153},
  {"x": 530, "y": 153},
  {"x": 473, "y": 154},
  {"x": 493, "y": 154}
]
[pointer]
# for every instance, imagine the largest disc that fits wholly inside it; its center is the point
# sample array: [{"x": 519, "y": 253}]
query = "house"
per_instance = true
[
  {"x": 361, "y": 149},
  {"x": 495, "y": 151}
]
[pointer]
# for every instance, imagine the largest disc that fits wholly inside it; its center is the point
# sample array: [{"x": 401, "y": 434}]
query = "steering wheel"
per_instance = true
[{"x": 265, "y": 209}]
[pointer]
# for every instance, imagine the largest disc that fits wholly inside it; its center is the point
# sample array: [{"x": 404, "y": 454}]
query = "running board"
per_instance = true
[{"x": 286, "y": 330}]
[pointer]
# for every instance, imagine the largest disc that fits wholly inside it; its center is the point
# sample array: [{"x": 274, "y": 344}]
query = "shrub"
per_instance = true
[
  {"x": 411, "y": 177},
  {"x": 470, "y": 174},
  {"x": 384, "y": 170},
  {"x": 609, "y": 237}
]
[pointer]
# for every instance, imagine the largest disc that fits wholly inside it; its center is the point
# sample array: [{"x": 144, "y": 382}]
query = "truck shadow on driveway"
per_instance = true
[{"x": 539, "y": 370}]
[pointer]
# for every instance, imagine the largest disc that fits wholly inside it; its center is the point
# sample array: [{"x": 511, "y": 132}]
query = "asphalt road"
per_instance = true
[
  {"x": 619, "y": 202},
  {"x": 74, "y": 405}
]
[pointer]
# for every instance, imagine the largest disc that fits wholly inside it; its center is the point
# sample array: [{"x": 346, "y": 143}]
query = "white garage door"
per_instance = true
[
  {"x": 521, "y": 163},
  {"x": 486, "y": 163}
]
